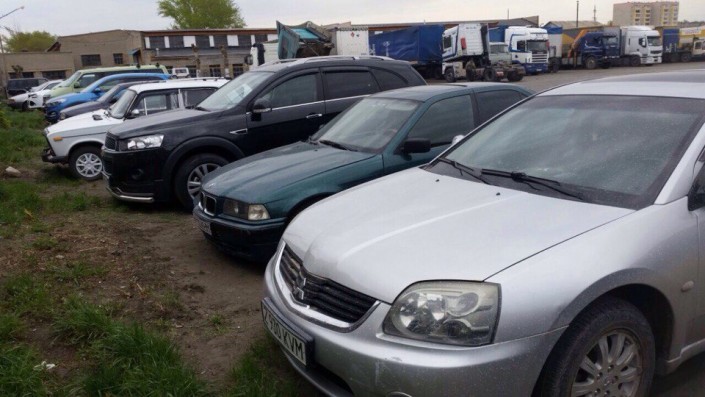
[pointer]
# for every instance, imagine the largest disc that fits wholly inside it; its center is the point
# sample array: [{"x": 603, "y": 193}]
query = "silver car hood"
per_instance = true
[{"x": 385, "y": 235}]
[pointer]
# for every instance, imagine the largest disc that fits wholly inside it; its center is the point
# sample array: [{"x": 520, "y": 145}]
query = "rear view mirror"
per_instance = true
[
  {"x": 642, "y": 42},
  {"x": 456, "y": 139},
  {"x": 248, "y": 59},
  {"x": 261, "y": 105},
  {"x": 114, "y": 99},
  {"x": 134, "y": 113},
  {"x": 417, "y": 145},
  {"x": 76, "y": 85}
]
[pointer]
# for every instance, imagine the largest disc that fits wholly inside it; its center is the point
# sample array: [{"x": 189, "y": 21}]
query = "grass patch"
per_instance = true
[
  {"x": 11, "y": 325},
  {"x": 78, "y": 271},
  {"x": 19, "y": 201},
  {"x": 81, "y": 322},
  {"x": 23, "y": 294},
  {"x": 44, "y": 243},
  {"x": 17, "y": 374},
  {"x": 256, "y": 374},
  {"x": 69, "y": 202},
  {"x": 21, "y": 142}
]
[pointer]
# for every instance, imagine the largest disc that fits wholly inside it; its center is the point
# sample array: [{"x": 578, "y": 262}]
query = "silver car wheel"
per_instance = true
[
  {"x": 89, "y": 165},
  {"x": 193, "y": 183},
  {"x": 612, "y": 367}
]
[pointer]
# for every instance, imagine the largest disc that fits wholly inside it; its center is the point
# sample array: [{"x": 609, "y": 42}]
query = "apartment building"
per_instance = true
[{"x": 657, "y": 13}]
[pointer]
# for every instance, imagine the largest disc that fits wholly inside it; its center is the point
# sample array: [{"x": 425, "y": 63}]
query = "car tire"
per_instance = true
[
  {"x": 578, "y": 366},
  {"x": 187, "y": 181},
  {"x": 590, "y": 63},
  {"x": 25, "y": 106},
  {"x": 85, "y": 163},
  {"x": 686, "y": 57},
  {"x": 489, "y": 74},
  {"x": 449, "y": 75}
]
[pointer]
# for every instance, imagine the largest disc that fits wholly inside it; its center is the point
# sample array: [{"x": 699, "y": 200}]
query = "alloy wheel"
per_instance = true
[
  {"x": 193, "y": 183},
  {"x": 89, "y": 165}
]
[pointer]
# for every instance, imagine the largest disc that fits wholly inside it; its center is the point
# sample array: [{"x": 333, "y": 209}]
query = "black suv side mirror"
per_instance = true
[
  {"x": 696, "y": 195},
  {"x": 261, "y": 105},
  {"x": 416, "y": 145}
]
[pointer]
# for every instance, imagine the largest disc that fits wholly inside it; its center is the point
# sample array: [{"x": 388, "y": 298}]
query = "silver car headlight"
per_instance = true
[
  {"x": 251, "y": 212},
  {"x": 451, "y": 312},
  {"x": 145, "y": 142}
]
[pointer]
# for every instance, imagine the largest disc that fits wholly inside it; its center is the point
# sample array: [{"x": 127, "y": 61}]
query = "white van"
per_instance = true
[{"x": 180, "y": 73}]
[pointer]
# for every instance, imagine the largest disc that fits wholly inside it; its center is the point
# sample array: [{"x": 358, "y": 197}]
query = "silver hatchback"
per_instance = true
[{"x": 559, "y": 249}]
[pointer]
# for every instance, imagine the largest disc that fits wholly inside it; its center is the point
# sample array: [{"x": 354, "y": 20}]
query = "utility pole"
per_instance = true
[
  {"x": 3, "y": 78},
  {"x": 594, "y": 13},
  {"x": 577, "y": 12}
]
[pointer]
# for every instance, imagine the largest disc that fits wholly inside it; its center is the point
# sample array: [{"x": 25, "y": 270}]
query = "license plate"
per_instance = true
[
  {"x": 288, "y": 339},
  {"x": 204, "y": 226}
]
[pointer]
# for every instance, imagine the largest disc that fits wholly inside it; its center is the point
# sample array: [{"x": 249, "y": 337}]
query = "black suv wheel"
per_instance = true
[{"x": 187, "y": 183}]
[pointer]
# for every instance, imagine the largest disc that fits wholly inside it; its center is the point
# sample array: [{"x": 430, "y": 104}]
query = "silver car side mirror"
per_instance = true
[{"x": 456, "y": 139}]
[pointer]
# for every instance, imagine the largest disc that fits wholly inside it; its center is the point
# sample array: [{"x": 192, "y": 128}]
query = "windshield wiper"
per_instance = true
[
  {"x": 464, "y": 169},
  {"x": 528, "y": 179},
  {"x": 336, "y": 145}
]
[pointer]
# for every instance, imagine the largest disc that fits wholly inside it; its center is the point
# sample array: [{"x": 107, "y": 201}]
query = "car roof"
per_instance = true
[
  {"x": 426, "y": 92},
  {"x": 131, "y": 76},
  {"x": 182, "y": 83},
  {"x": 680, "y": 84},
  {"x": 331, "y": 60}
]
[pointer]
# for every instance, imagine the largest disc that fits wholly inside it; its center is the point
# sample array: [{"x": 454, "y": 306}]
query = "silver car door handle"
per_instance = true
[{"x": 314, "y": 115}]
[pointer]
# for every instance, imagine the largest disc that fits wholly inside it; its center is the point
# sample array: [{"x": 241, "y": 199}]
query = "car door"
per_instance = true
[
  {"x": 344, "y": 86},
  {"x": 440, "y": 122},
  {"x": 296, "y": 109}
]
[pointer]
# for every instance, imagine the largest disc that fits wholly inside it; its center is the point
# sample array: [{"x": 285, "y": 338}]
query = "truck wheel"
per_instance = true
[
  {"x": 607, "y": 350},
  {"x": 449, "y": 75},
  {"x": 635, "y": 61},
  {"x": 188, "y": 179},
  {"x": 514, "y": 76},
  {"x": 555, "y": 66},
  {"x": 489, "y": 74},
  {"x": 470, "y": 73},
  {"x": 85, "y": 163},
  {"x": 686, "y": 57},
  {"x": 590, "y": 63}
]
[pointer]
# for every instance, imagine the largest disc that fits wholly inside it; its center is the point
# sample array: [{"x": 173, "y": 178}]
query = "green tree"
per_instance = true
[
  {"x": 28, "y": 41},
  {"x": 202, "y": 14}
]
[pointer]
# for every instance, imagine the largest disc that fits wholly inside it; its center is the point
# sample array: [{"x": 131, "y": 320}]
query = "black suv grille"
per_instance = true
[
  {"x": 325, "y": 296},
  {"x": 208, "y": 204},
  {"x": 111, "y": 143}
]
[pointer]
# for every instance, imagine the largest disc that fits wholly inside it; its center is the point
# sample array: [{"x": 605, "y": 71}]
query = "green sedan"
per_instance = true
[{"x": 245, "y": 206}]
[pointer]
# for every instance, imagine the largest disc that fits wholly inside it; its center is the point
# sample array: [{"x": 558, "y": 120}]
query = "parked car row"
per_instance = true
[{"x": 437, "y": 237}]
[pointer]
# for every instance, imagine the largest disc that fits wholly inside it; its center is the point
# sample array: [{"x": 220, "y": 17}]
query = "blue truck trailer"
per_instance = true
[{"x": 421, "y": 45}]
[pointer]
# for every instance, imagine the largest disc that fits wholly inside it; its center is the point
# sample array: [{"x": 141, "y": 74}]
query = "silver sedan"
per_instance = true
[{"x": 557, "y": 250}]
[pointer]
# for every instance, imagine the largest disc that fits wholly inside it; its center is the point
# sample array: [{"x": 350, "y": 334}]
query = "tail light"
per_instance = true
[{"x": 463, "y": 44}]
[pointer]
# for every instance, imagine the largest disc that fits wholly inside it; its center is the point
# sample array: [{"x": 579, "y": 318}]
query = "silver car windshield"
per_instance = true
[
  {"x": 616, "y": 150},
  {"x": 120, "y": 107},
  {"x": 232, "y": 93},
  {"x": 368, "y": 125}
]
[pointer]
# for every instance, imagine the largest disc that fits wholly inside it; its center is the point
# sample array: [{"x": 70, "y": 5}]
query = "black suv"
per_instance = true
[{"x": 157, "y": 157}]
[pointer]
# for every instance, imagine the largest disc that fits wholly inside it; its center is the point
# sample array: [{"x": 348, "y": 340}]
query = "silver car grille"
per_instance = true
[{"x": 322, "y": 295}]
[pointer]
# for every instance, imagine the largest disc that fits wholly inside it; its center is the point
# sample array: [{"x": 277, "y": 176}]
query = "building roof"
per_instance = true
[
  {"x": 189, "y": 32},
  {"x": 571, "y": 24}
]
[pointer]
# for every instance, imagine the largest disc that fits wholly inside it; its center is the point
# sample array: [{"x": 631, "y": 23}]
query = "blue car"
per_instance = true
[{"x": 54, "y": 106}]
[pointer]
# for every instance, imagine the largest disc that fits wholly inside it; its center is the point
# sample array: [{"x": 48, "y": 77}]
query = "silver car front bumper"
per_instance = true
[{"x": 367, "y": 362}]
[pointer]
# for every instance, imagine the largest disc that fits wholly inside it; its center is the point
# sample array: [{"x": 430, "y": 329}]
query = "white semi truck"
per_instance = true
[
  {"x": 639, "y": 45},
  {"x": 468, "y": 53},
  {"x": 528, "y": 46}
]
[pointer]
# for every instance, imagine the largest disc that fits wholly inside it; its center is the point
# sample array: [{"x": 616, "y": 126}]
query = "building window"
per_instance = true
[
  {"x": 157, "y": 42},
  {"x": 244, "y": 40},
  {"x": 260, "y": 38},
  {"x": 219, "y": 40},
  {"x": 27, "y": 75},
  {"x": 176, "y": 41},
  {"x": 192, "y": 70},
  {"x": 90, "y": 60},
  {"x": 117, "y": 59},
  {"x": 214, "y": 71},
  {"x": 203, "y": 41},
  {"x": 238, "y": 70},
  {"x": 54, "y": 74}
]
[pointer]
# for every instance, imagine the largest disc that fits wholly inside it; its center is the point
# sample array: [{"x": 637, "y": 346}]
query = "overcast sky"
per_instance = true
[{"x": 64, "y": 17}]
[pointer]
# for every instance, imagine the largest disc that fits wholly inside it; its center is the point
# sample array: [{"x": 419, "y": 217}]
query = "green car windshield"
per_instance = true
[{"x": 368, "y": 125}]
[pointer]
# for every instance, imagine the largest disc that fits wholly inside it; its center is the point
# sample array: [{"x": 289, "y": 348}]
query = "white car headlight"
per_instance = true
[
  {"x": 451, "y": 312},
  {"x": 145, "y": 142},
  {"x": 251, "y": 212}
]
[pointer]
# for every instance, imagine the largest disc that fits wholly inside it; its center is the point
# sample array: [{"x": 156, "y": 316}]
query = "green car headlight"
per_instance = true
[{"x": 251, "y": 212}]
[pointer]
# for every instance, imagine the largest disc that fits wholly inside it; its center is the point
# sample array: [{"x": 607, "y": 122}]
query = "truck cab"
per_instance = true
[
  {"x": 528, "y": 46},
  {"x": 641, "y": 44}
]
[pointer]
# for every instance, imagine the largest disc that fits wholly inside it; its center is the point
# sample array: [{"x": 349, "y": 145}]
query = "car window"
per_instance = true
[
  {"x": 349, "y": 84},
  {"x": 87, "y": 79},
  {"x": 489, "y": 103},
  {"x": 388, "y": 80},
  {"x": 445, "y": 119},
  {"x": 157, "y": 102},
  {"x": 195, "y": 96},
  {"x": 297, "y": 91}
]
